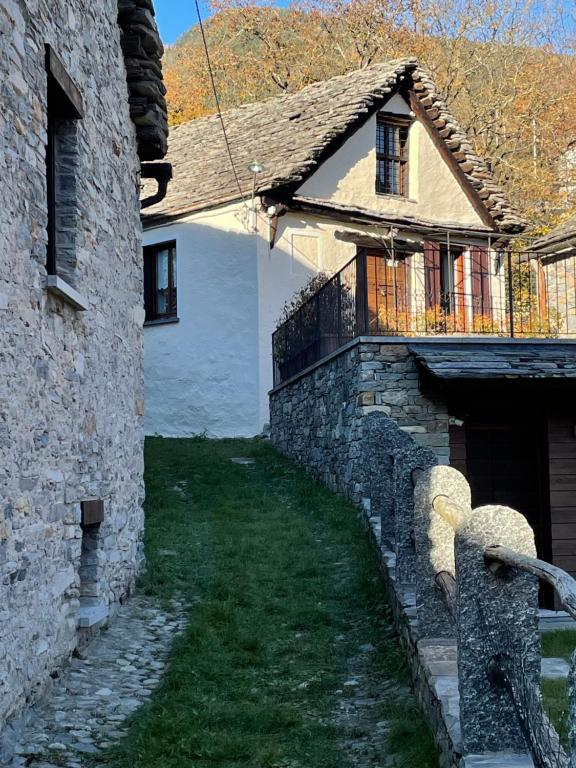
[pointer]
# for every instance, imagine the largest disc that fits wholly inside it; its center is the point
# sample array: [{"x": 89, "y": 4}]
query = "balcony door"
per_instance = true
[
  {"x": 387, "y": 287},
  {"x": 455, "y": 304}
]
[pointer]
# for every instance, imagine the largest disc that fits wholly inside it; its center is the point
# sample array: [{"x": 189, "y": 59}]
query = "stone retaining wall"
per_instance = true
[{"x": 318, "y": 417}]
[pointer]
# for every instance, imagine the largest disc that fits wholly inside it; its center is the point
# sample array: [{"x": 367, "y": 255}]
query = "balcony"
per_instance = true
[{"x": 440, "y": 291}]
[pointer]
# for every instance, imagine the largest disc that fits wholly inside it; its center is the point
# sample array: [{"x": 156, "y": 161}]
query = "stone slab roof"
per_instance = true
[
  {"x": 562, "y": 236},
  {"x": 292, "y": 134},
  {"x": 520, "y": 360}
]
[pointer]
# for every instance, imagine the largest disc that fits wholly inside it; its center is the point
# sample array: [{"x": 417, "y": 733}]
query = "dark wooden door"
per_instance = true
[{"x": 507, "y": 464}]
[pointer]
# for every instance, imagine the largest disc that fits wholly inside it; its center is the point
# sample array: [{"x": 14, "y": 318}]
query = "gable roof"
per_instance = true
[
  {"x": 293, "y": 133},
  {"x": 561, "y": 237}
]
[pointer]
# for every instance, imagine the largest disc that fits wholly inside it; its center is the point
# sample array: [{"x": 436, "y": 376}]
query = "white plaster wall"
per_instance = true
[
  {"x": 349, "y": 177},
  {"x": 212, "y": 371},
  {"x": 201, "y": 374},
  {"x": 283, "y": 270}
]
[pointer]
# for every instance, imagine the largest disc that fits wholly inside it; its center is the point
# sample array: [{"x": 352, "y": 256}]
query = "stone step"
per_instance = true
[
  {"x": 497, "y": 760},
  {"x": 91, "y": 615}
]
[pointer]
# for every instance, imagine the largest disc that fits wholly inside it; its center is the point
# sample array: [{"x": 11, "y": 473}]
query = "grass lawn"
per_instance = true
[
  {"x": 560, "y": 645},
  {"x": 556, "y": 706},
  {"x": 283, "y": 588}
]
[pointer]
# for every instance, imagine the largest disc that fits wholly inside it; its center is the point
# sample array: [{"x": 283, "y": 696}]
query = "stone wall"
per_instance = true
[
  {"x": 70, "y": 382},
  {"x": 319, "y": 416}
]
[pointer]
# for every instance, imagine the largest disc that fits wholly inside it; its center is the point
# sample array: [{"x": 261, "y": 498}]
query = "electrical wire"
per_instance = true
[{"x": 217, "y": 102}]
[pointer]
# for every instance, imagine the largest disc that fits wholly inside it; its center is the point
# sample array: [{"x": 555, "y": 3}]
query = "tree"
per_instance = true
[{"x": 505, "y": 68}]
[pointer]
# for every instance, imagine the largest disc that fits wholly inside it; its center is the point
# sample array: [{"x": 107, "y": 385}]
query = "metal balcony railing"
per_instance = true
[{"x": 442, "y": 292}]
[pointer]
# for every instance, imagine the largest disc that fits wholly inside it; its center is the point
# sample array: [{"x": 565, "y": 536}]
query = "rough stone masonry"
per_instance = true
[{"x": 71, "y": 384}]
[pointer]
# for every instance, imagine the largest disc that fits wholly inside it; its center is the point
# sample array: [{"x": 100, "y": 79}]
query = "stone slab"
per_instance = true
[
  {"x": 91, "y": 615},
  {"x": 497, "y": 760},
  {"x": 555, "y": 669}
]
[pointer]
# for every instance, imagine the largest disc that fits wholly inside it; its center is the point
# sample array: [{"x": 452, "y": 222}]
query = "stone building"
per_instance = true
[
  {"x": 370, "y": 162},
  {"x": 557, "y": 266},
  {"x": 82, "y": 107}
]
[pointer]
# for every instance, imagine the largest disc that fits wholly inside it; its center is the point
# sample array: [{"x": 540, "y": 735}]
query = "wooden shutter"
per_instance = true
[
  {"x": 432, "y": 283},
  {"x": 481, "y": 304}
]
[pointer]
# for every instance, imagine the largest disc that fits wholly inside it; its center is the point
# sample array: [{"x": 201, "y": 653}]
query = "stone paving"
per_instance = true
[{"x": 90, "y": 701}]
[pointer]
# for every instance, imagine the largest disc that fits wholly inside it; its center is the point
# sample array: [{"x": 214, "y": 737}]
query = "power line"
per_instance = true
[{"x": 217, "y": 100}]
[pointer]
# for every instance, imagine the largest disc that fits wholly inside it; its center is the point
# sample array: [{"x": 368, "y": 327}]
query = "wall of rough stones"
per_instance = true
[
  {"x": 318, "y": 417},
  {"x": 70, "y": 382}
]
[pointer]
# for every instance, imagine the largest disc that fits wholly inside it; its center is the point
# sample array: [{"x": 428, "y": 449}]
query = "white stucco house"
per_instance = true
[{"x": 368, "y": 164}]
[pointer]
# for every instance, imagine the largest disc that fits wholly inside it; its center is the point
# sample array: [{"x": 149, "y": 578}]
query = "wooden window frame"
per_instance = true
[
  {"x": 392, "y": 120},
  {"x": 150, "y": 282}
]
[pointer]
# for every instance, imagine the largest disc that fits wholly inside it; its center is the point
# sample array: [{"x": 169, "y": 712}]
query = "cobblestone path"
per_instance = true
[{"x": 90, "y": 701}]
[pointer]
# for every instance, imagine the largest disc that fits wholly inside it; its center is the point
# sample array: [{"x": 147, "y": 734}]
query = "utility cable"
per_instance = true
[{"x": 217, "y": 101}]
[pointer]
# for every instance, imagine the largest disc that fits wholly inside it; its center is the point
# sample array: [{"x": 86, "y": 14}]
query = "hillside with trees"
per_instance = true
[{"x": 507, "y": 71}]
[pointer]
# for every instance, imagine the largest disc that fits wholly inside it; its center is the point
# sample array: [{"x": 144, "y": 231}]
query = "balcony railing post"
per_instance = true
[
  {"x": 510, "y": 293},
  {"x": 361, "y": 293}
]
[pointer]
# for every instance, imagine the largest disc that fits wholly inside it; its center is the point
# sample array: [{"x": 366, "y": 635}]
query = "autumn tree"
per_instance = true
[{"x": 505, "y": 69}]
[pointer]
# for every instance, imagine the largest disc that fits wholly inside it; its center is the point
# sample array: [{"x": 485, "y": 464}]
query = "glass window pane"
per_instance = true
[
  {"x": 173, "y": 257},
  {"x": 162, "y": 282}
]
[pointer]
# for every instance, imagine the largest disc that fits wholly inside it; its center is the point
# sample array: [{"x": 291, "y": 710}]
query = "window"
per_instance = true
[
  {"x": 392, "y": 154},
  {"x": 65, "y": 108},
  {"x": 160, "y": 281}
]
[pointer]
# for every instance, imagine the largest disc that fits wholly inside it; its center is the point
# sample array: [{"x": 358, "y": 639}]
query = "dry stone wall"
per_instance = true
[
  {"x": 71, "y": 384},
  {"x": 319, "y": 417}
]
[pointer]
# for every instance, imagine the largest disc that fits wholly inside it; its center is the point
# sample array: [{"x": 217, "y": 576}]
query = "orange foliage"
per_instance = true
[{"x": 504, "y": 70}]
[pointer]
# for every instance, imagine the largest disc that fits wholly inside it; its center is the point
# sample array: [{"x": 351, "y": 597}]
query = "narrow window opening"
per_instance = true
[
  {"x": 90, "y": 571},
  {"x": 64, "y": 109}
]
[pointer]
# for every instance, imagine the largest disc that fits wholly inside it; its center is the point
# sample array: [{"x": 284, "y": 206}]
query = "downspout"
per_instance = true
[{"x": 162, "y": 173}]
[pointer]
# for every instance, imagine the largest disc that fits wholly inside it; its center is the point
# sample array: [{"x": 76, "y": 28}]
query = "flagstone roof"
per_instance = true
[
  {"x": 292, "y": 134},
  {"x": 561, "y": 237},
  {"x": 547, "y": 359}
]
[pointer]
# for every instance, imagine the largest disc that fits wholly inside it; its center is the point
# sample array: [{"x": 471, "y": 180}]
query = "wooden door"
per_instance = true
[
  {"x": 562, "y": 458},
  {"x": 387, "y": 293},
  {"x": 507, "y": 464},
  {"x": 460, "y": 324},
  {"x": 480, "y": 273}
]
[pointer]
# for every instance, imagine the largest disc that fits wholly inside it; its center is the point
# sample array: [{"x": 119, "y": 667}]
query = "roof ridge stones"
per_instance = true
[{"x": 291, "y": 135}]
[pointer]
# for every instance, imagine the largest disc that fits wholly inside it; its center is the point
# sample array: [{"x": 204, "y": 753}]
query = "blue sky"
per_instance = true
[{"x": 174, "y": 17}]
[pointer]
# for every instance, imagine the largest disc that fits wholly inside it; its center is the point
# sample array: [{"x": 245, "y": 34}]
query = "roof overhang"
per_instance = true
[{"x": 533, "y": 360}]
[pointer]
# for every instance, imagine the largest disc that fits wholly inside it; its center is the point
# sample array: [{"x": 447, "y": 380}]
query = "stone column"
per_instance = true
[
  {"x": 381, "y": 437},
  {"x": 434, "y": 540},
  {"x": 496, "y": 619},
  {"x": 406, "y": 460}
]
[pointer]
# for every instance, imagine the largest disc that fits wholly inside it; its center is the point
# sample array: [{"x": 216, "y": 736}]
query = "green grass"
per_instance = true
[
  {"x": 555, "y": 699},
  {"x": 282, "y": 586},
  {"x": 559, "y": 644}
]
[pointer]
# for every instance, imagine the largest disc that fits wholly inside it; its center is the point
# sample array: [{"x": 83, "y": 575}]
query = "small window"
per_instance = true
[
  {"x": 65, "y": 109},
  {"x": 392, "y": 155},
  {"x": 160, "y": 281}
]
